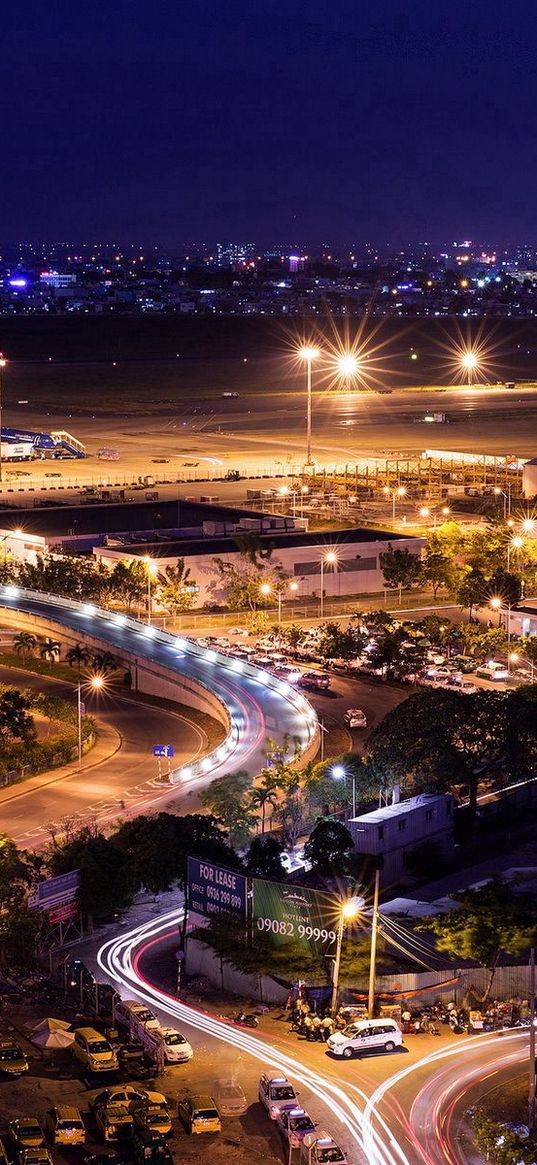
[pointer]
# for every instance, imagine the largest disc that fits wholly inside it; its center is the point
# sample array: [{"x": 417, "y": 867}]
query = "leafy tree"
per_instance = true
[
  {"x": 329, "y": 847},
  {"x": 439, "y": 740},
  {"x": 106, "y": 884},
  {"x": 18, "y": 925},
  {"x": 175, "y": 589},
  {"x": 473, "y": 590},
  {"x": 158, "y": 847},
  {"x": 78, "y": 656},
  {"x": 50, "y": 649},
  {"x": 393, "y": 652},
  {"x": 507, "y": 585},
  {"x": 500, "y": 1144},
  {"x": 240, "y": 582},
  {"x": 15, "y": 719},
  {"x": 25, "y": 644},
  {"x": 401, "y": 570},
  {"x": 337, "y": 642},
  {"x": 293, "y": 635},
  {"x": 128, "y": 583},
  {"x": 103, "y": 662},
  {"x": 376, "y": 621},
  {"x": 327, "y": 793},
  {"x": 290, "y": 815},
  {"x": 63, "y": 575},
  {"x": 487, "y": 922},
  {"x": 263, "y": 859},
  {"x": 529, "y": 651},
  {"x": 440, "y": 571},
  {"x": 226, "y": 798}
]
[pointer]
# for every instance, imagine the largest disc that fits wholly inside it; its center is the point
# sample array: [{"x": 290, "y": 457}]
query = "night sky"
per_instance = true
[{"x": 269, "y": 120}]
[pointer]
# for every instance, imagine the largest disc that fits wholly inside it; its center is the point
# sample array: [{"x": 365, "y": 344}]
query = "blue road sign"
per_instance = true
[{"x": 163, "y": 750}]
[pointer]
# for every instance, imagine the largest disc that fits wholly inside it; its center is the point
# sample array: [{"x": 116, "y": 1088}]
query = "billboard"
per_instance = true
[
  {"x": 212, "y": 889},
  {"x": 56, "y": 891},
  {"x": 284, "y": 914}
]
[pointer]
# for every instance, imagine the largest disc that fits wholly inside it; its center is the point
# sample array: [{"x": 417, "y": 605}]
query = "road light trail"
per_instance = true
[{"x": 119, "y": 958}]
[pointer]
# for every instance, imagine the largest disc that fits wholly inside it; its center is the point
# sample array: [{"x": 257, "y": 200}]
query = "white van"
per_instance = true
[
  {"x": 135, "y": 1015},
  {"x": 364, "y": 1036}
]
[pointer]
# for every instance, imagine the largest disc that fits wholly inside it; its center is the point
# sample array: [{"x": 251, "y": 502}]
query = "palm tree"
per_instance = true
[
  {"x": 50, "y": 649},
  {"x": 25, "y": 644},
  {"x": 78, "y": 656},
  {"x": 104, "y": 662},
  {"x": 260, "y": 797}
]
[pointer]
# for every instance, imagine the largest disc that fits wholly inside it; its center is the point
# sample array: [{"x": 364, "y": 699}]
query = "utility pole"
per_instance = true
[
  {"x": 373, "y": 956},
  {"x": 3, "y": 363},
  {"x": 531, "y": 1091}
]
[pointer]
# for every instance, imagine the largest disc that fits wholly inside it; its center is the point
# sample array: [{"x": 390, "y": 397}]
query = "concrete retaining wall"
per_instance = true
[{"x": 201, "y": 960}]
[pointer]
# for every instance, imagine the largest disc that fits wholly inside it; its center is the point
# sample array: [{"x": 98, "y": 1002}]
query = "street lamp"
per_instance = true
[
  {"x": 152, "y": 569},
  {"x": 425, "y": 512},
  {"x": 496, "y": 604},
  {"x": 339, "y": 773},
  {"x": 469, "y": 363},
  {"x": 95, "y": 683},
  {"x": 348, "y": 912},
  {"x": 515, "y": 543},
  {"x": 506, "y": 495},
  {"x": 397, "y": 493},
  {"x": 347, "y": 366},
  {"x": 328, "y": 559},
  {"x": 3, "y": 363},
  {"x": 528, "y": 525},
  {"x": 308, "y": 354},
  {"x": 512, "y": 657}
]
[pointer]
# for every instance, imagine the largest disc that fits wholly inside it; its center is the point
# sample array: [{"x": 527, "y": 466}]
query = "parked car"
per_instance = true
[
  {"x": 177, "y": 1049},
  {"x": 130, "y": 1012},
  {"x": 199, "y": 1114},
  {"x": 319, "y": 1148},
  {"x": 154, "y": 1118},
  {"x": 495, "y": 672},
  {"x": 65, "y": 1126},
  {"x": 355, "y": 718},
  {"x": 150, "y": 1146},
  {"x": 93, "y": 1051},
  {"x": 38, "y": 1156},
  {"x": 277, "y": 1095},
  {"x": 13, "y": 1062},
  {"x": 128, "y": 1096},
  {"x": 229, "y": 1097},
  {"x": 364, "y": 1036},
  {"x": 114, "y": 1121},
  {"x": 293, "y": 1126},
  {"x": 315, "y": 680},
  {"x": 26, "y": 1133}
]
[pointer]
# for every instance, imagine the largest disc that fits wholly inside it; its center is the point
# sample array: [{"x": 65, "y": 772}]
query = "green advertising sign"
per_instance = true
[{"x": 285, "y": 914}]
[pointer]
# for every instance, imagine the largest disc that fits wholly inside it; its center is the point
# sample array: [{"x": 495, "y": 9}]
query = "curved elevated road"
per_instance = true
[{"x": 255, "y": 704}]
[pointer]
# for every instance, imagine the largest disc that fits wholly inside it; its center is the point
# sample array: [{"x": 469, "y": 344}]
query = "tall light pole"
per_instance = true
[
  {"x": 398, "y": 492},
  {"x": 496, "y": 604},
  {"x": 308, "y": 355},
  {"x": 95, "y": 682},
  {"x": 469, "y": 364},
  {"x": 506, "y": 495},
  {"x": 373, "y": 955},
  {"x": 152, "y": 569},
  {"x": 348, "y": 911},
  {"x": 3, "y": 363},
  {"x": 347, "y": 366},
  {"x": 531, "y": 1090},
  {"x": 328, "y": 559},
  {"x": 339, "y": 773}
]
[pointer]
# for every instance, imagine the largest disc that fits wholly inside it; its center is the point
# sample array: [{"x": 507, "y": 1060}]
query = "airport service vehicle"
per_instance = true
[
  {"x": 199, "y": 1114},
  {"x": 13, "y": 1062},
  {"x": 315, "y": 680},
  {"x": 319, "y": 1148},
  {"x": 364, "y": 1036},
  {"x": 229, "y": 1097},
  {"x": 177, "y": 1049},
  {"x": 114, "y": 1121},
  {"x": 65, "y": 1126},
  {"x": 355, "y": 718},
  {"x": 293, "y": 1126},
  {"x": 26, "y": 1133},
  {"x": 93, "y": 1051},
  {"x": 277, "y": 1095},
  {"x": 150, "y": 1146}
]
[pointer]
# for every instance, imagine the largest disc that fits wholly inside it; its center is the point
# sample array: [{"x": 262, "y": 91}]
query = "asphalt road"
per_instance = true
[
  {"x": 126, "y": 782},
  {"x": 407, "y": 1108}
]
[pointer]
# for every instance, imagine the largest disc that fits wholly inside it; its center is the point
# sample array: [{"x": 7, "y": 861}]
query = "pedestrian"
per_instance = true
[
  {"x": 316, "y": 1027},
  {"x": 327, "y": 1027},
  {"x": 307, "y": 1027}
]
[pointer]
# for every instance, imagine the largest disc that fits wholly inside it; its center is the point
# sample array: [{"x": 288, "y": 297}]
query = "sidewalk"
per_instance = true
[{"x": 109, "y": 742}]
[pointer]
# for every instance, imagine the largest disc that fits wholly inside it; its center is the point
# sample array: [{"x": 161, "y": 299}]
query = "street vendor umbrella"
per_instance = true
[
  {"x": 57, "y": 1038},
  {"x": 51, "y": 1025}
]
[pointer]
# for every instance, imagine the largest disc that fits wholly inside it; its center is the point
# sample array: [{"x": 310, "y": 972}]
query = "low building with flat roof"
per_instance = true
[{"x": 392, "y": 831}]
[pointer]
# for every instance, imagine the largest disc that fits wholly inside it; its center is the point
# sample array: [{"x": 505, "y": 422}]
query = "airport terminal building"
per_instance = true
[{"x": 347, "y": 560}]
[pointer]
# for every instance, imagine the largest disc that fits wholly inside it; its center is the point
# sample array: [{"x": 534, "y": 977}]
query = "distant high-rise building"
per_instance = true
[{"x": 233, "y": 254}]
